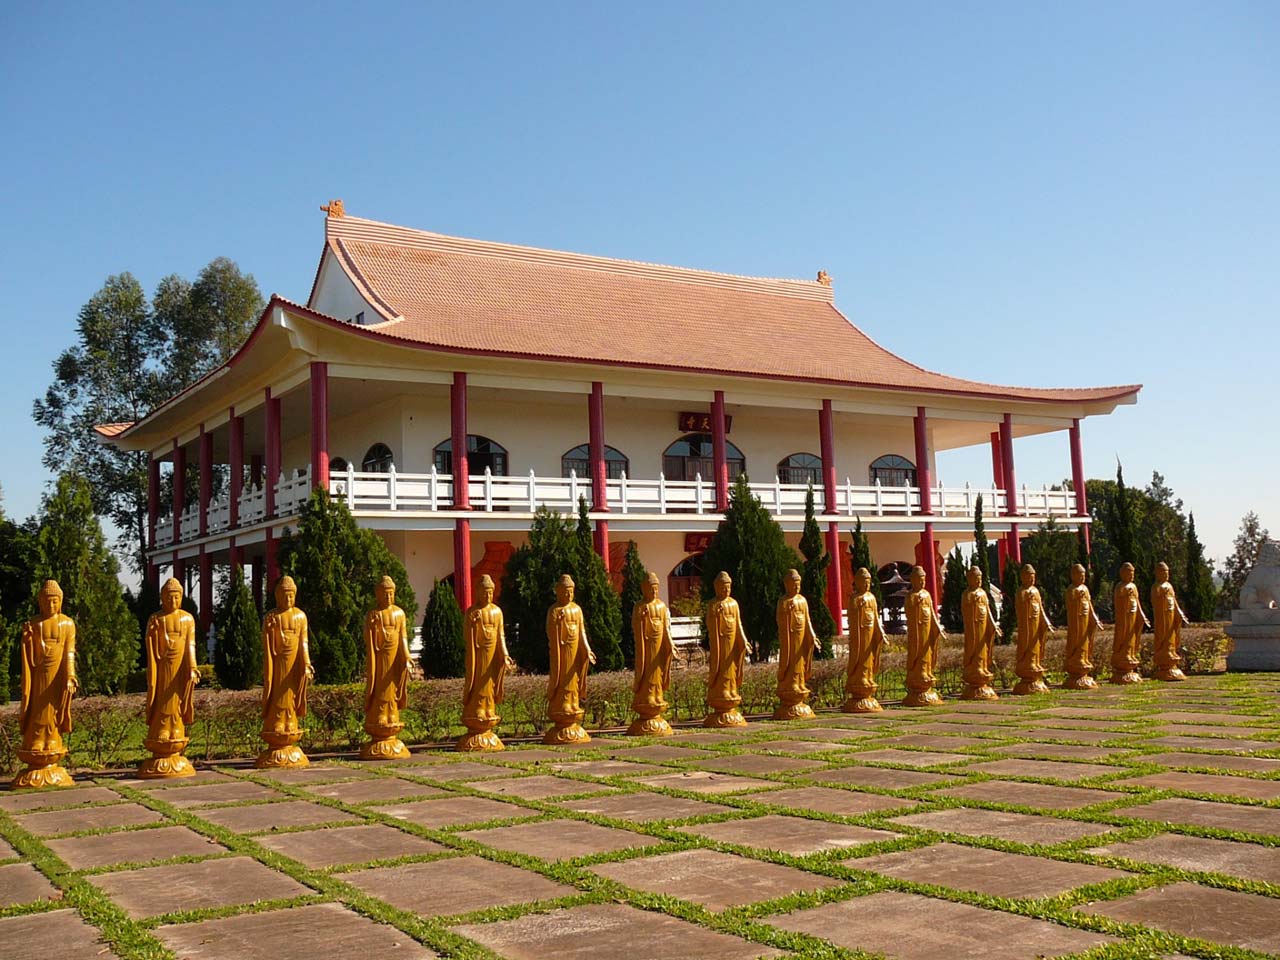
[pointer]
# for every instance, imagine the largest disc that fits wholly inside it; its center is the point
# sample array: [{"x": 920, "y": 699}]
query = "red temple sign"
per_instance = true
[
  {"x": 697, "y": 542},
  {"x": 700, "y": 423}
]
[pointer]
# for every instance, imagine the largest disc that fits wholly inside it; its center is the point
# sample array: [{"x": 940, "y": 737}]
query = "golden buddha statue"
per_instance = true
[
  {"x": 980, "y": 633},
  {"x": 796, "y": 645},
  {"x": 286, "y": 671},
  {"x": 48, "y": 683},
  {"x": 651, "y": 627},
  {"x": 1130, "y": 622},
  {"x": 488, "y": 661},
  {"x": 172, "y": 676},
  {"x": 570, "y": 657},
  {"x": 924, "y": 636},
  {"x": 1169, "y": 622},
  {"x": 386, "y": 686},
  {"x": 866, "y": 638},
  {"x": 1033, "y": 632},
  {"x": 728, "y": 654},
  {"x": 1082, "y": 627}
]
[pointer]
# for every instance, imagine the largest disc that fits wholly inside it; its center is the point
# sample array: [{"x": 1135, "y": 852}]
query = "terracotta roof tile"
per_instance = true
[
  {"x": 470, "y": 295},
  {"x": 108, "y": 431}
]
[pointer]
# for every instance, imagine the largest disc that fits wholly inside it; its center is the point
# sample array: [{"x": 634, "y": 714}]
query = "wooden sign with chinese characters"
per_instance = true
[
  {"x": 697, "y": 542},
  {"x": 700, "y": 423}
]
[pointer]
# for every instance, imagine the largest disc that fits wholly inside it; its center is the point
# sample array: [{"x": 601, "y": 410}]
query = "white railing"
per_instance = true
[
  {"x": 164, "y": 531},
  {"x": 253, "y": 504},
  {"x": 434, "y": 491},
  {"x": 292, "y": 492}
]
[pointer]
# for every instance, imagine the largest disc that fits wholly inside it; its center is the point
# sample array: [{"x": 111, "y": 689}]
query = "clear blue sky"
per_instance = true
[{"x": 1068, "y": 194}]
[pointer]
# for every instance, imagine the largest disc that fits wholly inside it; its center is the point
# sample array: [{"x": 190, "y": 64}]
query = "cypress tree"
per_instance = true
[
  {"x": 1199, "y": 595},
  {"x": 337, "y": 567},
  {"x": 981, "y": 552},
  {"x": 443, "y": 650},
  {"x": 1009, "y": 586},
  {"x": 1124, "y": 528},
  {"x": 750, "y": 546},
  {"x": 813, "y": 579},
  {"x": 237, "y": 653},
  {"x": 6, "y": 643},
  {"x": 529, "y": 586},
  {"x": 954, "y": 584},
  {"x": 594, "y": 593},
  {"x": 73, "y": 550},
  {"x": 633, "y": 576},
  {"x": 860, "y": 553}
]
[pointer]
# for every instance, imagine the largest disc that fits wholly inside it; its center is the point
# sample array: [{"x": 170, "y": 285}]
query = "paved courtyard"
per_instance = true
[{"x": 1126, "y": 822}]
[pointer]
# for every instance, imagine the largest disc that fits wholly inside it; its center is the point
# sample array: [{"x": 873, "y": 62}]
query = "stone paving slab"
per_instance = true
[
  {"x": 456, "y": 885},
  {"x": 605, "y": 768},
  {"x": 1204, "y": 730},
  {"x": 21, "y": 883},
  {"x": 273, "y": 816},
  {"x": 1246, "y": 787},
  {"x": 539, "y": 787},
  {"x": 1214, "y": 761},
  {"x": 337, "y": 845},
  {"x": 801, "y": 747},
  {"x": 454, "y": 811},
  {"x": 1248, "y": 861},
  {"x": 24, "y": 801},
  {"x": 846, "y": 803},
  {"x": 609, "y": 932},
  {"x": 757, "y": 764},
  {"x": 660, "y": 753},
  {"x": 315, "y": 773},
  {"x": 1044, "y": 724},
  {"x": 560, "y": 839},
  {"x": 1197, "y": 717},
  {"x": 321, "y": 930},
  {"x": 535, "y": 755},
  {"x": 645, "y": 807},
  {"x": 456, "y": 770},
  {"x": 910, "y": 758},
  {"x": 1049, "y": 769},
  {"x": 905, "y": 926},
  {"x": 58, "y": 933},
  {"x": 1213, "y": 743},
  {"x": 376, "y": 790},
  {"x": 1016, "y": 827},
  {"x": 1207, "y": 813},
  {"x": 964, "y": 728},
  {"x": 1055, "y": 751},
  {"x": 1219, "y": 916},
  {"x": 1030, "y": 794},
  {"x": 229, "y": 791},
  {"x": 50, "y": 823},
  {"x": 132, "y": 846},
  {"x": 229, "y": 881},
  {"x": 884, "y": 778},
  {"x": 1071, "y": 735},
  {"x": 1097, "y": 713},
  {"x": 793, "y": 835},
  {"x": 934, "y": 741},
  {"x": 712, "y": 879},
  {"x": 992, "y": 872},
  {"x": 6, "y": 850},
  {"x": 704, "y": 781},
  {"x": 203, "y": 777},
  {"x": 833, "y": 734}
]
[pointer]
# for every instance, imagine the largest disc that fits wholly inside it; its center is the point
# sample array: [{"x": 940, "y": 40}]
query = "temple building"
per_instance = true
[{"x": 541, "y": 377}]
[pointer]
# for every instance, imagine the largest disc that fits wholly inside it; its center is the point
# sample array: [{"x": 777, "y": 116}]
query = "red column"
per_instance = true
[
  {"x": 924, "y": 477},
  {"x": 179, "y": 487},
  {"x": 835, "y": 574},
  {"x": 1011, "y": 485},
  {"x": 599, "y": 471},
  {"x": 719, "y": 456},
  {"x": 461, "y": 493},
  {"x": 206, "y": 591},
  {"x": 997, "y": 480},
  {"x": 206, "y": 478},
  {"x": 153, "y": 513},
  {"x": 255, "y": 469},
  {"x": 273, "y": 454},
  {"x": 235, "y": 557},
  {"x": 319, "y": 425},
  {"x": 1078, "y": 480},
  {"x": 236, "y": 456}
]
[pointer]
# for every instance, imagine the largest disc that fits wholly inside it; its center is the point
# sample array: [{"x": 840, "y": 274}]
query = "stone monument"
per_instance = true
[
  {"x": 488, "y": 661},
  {"x": 172, "y": 676},
  {"x": 651, "y": 627},
  {"x": 728, "y": 654},
  {"x": 796, "y": 644},
  {"x": 1255, "y": 624},
  {"x": 386, "y": 689},
  {"x": 571, "y": 657}
]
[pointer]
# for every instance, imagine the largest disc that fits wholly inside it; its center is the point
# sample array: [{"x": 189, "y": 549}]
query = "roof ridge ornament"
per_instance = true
[
  {"x": 824, "y": 278},
  {"x": 335, "y": 209}
]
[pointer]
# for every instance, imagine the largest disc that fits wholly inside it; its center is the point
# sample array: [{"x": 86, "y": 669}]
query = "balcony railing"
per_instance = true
[{"x": 290, "y": 491}]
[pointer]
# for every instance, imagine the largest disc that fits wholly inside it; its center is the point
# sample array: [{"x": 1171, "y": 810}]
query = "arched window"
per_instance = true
[
  {"x": 685, "y": 578},
  {"x": 481, "y": 452},
  {"x": 893, "y": 471},
  {"x": 377, "y": 460},
  {"x": 579, "y": 460},
  {"x": 691, "y": 456},
  {"x": 800, "y": 468},
  {"x": 337, "y": 465}
]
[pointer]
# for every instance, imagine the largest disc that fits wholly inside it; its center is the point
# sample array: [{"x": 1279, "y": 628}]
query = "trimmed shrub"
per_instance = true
[{"x": 443, "y": 650}]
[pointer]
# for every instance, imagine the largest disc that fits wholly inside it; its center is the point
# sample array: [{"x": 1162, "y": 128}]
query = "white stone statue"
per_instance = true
[
  {"x": 1255, "y": 624},
  {"x": 1261, "y": 590}
]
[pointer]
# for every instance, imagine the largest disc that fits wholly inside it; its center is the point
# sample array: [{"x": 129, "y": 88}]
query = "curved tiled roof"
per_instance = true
[{"x": 494, "y": 298}]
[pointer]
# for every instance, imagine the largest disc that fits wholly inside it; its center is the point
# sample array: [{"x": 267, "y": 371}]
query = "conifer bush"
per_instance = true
[
  {"x": 237, "y": 654},
  {"x": 813, "y": 580},
  {"x": 594, "y": 592},
  {"x": 860, "y": 555},
  {"x": 443, "y": 650},
  {"x": 528, "y": 586},
  {"x": 633, "y": 576},
  {"x": 954, "y": 583}
]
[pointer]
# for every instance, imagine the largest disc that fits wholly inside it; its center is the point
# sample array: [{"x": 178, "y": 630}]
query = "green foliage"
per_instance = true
[
  {"x": 337, "y": 567},
  {"x": 633, "y": 576},
  {"x": 593, "y": 591},
  {"x": 1052, "y": 551},
  {"x": 860, "y": 552},
  {"x": 73, "y": 550},
  {"x": 1244, "y": 554},
  {"x": 8, "y": 633},
  {"x": 981, "y": 549},
  {"x": 237, "y": 653},
  {"x": 750, "y": 546},
  {"x": 211, "y": 316},
  {"x": 17, "y": 587},
  {"x": 813, "y": 579},
  {"x": 443, "y": 648},
  {"x": 1124, "y": 526},
  {"x": 1199, "y": 597},
  {"x": 1009, "y": 586},
  {"x": 529, "y": 586},
  {"x": 954, "y": 583}
]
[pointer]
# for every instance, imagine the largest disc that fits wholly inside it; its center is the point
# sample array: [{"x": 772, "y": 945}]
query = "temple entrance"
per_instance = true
[{"x": 685, "y": 578}]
